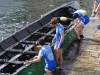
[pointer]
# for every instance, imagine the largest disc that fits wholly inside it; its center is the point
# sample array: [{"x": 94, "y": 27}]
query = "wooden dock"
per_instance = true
[{"x": 87, "y": 62}]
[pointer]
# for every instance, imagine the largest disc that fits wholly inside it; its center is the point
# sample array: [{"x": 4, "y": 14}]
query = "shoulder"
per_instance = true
[
  {"x": 60, "y": 25},
  {"x": 76, "y": 11}
]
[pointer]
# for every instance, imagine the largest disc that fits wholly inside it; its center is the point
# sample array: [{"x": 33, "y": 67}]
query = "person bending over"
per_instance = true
[
  {"x": 80, "y": 18},
  {"x": 47, "y": 53}
]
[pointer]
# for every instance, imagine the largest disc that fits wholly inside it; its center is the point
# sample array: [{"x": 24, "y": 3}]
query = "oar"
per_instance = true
[
  {"x": 17, "y": 62},
  {"x": 21, "y": 51},
  {"x": 12, "y": 62},
  {"x": 44, "y": 34}
]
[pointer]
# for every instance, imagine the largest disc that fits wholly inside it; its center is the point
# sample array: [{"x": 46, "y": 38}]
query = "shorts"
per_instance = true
[
  {"x": 85, "y": 20},
  {"x": 61, "y": 46},
  {"x": 50, "y": 67}
]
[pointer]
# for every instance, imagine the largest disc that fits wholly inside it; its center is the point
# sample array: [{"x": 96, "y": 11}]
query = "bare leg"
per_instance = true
[
  {"x": 94, "y": 6},
  {"x": 56, "y": 54},
  {"x": 77, "y": 32},
  {"x": 99, "y": 15},
  {"x": 98, "y": 11},
  {"x": 60, "y": 57},
  {"x": 81, "y": 31},
  {"x": 48, "y": 73}
]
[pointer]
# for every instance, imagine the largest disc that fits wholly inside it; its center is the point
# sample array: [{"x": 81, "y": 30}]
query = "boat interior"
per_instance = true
[{"x": 21, "y": 45}]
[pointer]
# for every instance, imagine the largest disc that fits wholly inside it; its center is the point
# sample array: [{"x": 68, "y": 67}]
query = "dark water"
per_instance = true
[{"x": 16, "y": 14}]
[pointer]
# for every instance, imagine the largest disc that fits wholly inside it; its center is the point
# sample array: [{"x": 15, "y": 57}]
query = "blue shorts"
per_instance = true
[
  {"x": 85, "y": 20},
  {"x": 61, "y": 46},
  {"x": 50, "y": 67}
]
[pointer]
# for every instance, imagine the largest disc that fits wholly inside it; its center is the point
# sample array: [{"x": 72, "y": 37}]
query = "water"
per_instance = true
[{"x": 16, "y": 14}]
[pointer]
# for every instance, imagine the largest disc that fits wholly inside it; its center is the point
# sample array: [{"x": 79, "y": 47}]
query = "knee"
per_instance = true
[
  {"x": 99, "y": 5},
  {"x": 98, "y": 8}
]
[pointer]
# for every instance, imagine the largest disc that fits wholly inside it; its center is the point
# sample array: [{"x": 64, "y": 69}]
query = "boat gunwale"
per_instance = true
[{"x": 31, "y": 33}]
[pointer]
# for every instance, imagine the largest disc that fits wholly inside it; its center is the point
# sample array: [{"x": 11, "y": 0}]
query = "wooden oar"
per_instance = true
[
  {"x": 21, "y": 51},
  {"x": 12, "y": 62}
]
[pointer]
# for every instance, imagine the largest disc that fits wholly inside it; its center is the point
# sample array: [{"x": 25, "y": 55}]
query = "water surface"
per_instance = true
[{"x": 16, "y": 14}]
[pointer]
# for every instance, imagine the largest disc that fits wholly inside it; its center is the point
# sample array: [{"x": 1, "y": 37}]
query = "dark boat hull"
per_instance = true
[{"x": 20, "y": 46}]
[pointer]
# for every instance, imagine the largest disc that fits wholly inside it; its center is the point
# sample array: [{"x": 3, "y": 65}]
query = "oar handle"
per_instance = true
[{"x": 12, "y": 62}]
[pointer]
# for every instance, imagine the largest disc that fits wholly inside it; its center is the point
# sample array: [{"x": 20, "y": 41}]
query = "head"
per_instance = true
[
  {"x": 54, "y": 21},
  {"x": 42, "y": 42},
  {"x": 75, "y": 15}
]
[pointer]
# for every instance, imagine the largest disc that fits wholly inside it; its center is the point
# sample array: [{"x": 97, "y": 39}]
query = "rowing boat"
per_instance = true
[{"x": 21, "y": 45}]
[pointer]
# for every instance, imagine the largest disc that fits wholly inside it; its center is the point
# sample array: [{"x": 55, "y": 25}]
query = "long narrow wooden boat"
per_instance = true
[{"x": 20, "y": 46}]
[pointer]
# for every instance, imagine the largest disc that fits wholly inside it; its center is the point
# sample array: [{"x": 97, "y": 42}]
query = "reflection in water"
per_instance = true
[{"x": 16, "y": 14}]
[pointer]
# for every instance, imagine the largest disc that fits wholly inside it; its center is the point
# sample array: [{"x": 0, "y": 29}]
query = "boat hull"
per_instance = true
[
  {"x": 38, "y": 68},
  {"x": 21, "y": 45}
]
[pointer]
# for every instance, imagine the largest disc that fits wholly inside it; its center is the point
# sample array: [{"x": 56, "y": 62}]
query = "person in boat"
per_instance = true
[
  {"x": 80, "y": 18},
  {"x": 59, "y": 40},
  {"x": 47, "y": 53},
  {"x": 96, "y": 7}
]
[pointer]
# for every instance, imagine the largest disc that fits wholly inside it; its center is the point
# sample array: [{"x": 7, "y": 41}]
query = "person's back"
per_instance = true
[
  {"x": 81, "y": 12},
  {"x": 82, "y": 15},
  {"x": 47, "y": 53}
]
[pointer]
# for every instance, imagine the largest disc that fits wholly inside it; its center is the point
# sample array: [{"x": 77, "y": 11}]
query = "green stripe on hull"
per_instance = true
[
  {"x": 34, "y": 69},
  {"x": 38, "y": 68},
  {"x": 69, "y": 37}
]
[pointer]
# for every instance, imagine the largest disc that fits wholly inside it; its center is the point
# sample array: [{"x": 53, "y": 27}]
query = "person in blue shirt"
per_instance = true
[
  {"x": 47, "y": 53},
  {"x": 81, "y": 19},
  {"x": 58, "y": 39}
]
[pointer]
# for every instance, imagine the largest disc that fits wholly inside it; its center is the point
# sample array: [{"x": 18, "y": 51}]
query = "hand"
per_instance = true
[
  {"x": 27, "y": 62},
  {"x": 52, "y": 42},
  {"x": 70, "y": 29}
]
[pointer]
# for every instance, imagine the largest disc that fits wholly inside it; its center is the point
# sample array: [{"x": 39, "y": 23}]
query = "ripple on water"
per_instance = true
[{"x": 25, "y": 12}]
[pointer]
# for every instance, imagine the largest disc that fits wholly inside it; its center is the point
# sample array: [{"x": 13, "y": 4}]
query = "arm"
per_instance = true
[
  {"x": 35, "y": 60},
  {"x": 53, "y": 39}
]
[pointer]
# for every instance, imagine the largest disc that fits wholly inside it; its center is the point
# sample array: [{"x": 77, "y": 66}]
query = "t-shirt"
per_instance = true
[
  {"x": 82, "y": 15},
  {"x": 47, "y": 53},
  {"x": 59, "y": 29}
]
